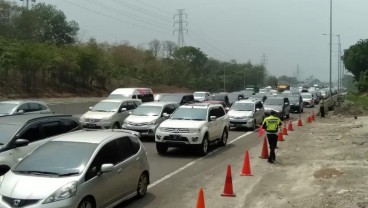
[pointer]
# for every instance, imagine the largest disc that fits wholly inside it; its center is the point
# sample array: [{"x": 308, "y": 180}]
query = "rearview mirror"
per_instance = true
[
  {"x": 122, "y": 109},
  {"x": 166, "y": 115},
  {"x": 105, "y": 168},
  {"x": 212, "y": 118},
  {"x": 20, "y": 111},
  {"x": 21, "y": 143}
]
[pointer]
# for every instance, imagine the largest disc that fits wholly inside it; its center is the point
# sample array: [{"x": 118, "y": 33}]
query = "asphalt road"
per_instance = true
[{"x": 177, "y": 176}]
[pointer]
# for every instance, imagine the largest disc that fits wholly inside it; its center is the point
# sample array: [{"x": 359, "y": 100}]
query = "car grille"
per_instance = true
[
  {"x": 176, "y": 138},
  {"x": 234, "y": 122},
  {"x": 19, "y": 202},
  {"x": 138, "y": 124},
  {"x": 176, "y": 130},
  {"x": 91, "y": 120}
]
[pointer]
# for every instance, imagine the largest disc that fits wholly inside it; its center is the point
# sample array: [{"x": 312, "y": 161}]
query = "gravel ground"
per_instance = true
[{"x": 321, "y": 165}]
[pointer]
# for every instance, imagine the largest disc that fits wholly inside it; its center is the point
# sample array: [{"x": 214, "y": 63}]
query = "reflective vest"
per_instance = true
[{"x": 271, "y": 124}]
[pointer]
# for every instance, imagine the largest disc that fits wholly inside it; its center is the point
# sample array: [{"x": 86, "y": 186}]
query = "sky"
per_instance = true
[{"x": 288, "y": 33}]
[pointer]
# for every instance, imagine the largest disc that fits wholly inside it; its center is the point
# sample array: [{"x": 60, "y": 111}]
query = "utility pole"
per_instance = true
[
  {"x": 27, "y": 3},
  {"x": 339, "y": 66},
  {"x": 330, "y": 47},
  {"x": 297, "y": 72},
  {"x": 181, "y": 15},
  {"x": 264, "y": 60}
]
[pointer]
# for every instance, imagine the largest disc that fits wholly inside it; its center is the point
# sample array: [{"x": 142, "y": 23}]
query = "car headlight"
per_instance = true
[
  {"x": 152, "y": 122},
  {"x": 82, "y": 119},
  {"x": 65, "y": 192},
  {"x": 194, "y": 131},
  {"x": 161, "y": 129},
  {"x": 105, "y": 120}
]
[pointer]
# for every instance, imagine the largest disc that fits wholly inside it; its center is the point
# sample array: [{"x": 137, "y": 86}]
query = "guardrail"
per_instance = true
[{"x": 333, "y": 101}]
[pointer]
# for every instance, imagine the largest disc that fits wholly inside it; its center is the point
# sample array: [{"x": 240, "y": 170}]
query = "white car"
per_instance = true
[
  {"x": 201, "y": 96},
  {"x": 308, "y": 99},
  {"x": 83, "y": 169},
  {"x": 246, "y": 113},
  {"x": 146, "y": 117},
  {"x": 14, "y": 107},
  {"x": 198, "y": 125},
  {"x": 109, "y": 113}
]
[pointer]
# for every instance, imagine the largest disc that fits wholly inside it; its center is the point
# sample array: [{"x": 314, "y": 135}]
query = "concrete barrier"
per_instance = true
[{"x": 71, "y": 108}]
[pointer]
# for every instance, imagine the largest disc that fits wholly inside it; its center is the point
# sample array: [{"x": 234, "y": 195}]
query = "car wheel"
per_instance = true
[
  {"x": 224, "y": 137},
  {"x": 161, "y": 148},
  {"x": 254, "y": 126},
  {"x": 288, "y": 116},
  {"x": 87, "y": 203},
  {"x": 116, "y": 126},
  {"x": 203, "y": 148},
  {"x": 142, "y": 185}
]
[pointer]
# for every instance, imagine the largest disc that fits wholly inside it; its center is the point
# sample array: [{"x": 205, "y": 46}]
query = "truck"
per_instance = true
[{"x": 281, "y": 87}]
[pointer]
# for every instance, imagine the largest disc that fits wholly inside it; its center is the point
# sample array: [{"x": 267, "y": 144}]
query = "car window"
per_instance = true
[
  {"x": 69, "y": 125},
  {"x": 137, "y": 103},
  {"x": 126, "y": 148},
  {"x": 220, "y": 112},
  {"x": 131, "y": 105},
  {"x": 34, "y": 107},
  {"x": 50, "y": 129},
  {"x": 24, "y": 107},
  {"x": 32, "y": 133},
  {"x": 211, "y": 113},
  {"x": 259, "y": 105},
  {"x": 42, "y": 107},
  {"x": 135, "y": 144},
  {"x": 169, "y": 109}
]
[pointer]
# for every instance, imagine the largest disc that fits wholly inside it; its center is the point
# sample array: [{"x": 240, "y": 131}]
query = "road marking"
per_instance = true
[{"x": 164, "y": 178}]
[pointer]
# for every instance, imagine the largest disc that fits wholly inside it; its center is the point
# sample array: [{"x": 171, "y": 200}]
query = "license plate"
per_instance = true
[
  {"x": 175, "y": 137},
  {"x": 91, "y": 125}
]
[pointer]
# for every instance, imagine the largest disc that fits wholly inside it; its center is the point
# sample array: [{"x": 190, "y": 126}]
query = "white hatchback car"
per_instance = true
[
  {"x": 246, "y": 113},
  {"x": 84, "y": 169}
]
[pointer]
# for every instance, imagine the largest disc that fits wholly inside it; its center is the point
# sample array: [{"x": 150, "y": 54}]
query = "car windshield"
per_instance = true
[
  {"x": 7, "y": 108},
  {"x": 199, "y": 94},
  {"x": 242, "y": 107},
  {"x": 118, "y": 96},
  {"x": 274, "y": 101},
  {"x": 198, "y": 114},
  {"x": 294, "y": 99},
  {"x": 171, "y": 98},
  {"x": 306, "y": 95},
  {"x": 57, "y": 158},
  {"x": 147, "y": 110},
  {"x": 106, "y": 107},
  {"x": 218, "y": 97},
  {"x": 7, "y": 132}
]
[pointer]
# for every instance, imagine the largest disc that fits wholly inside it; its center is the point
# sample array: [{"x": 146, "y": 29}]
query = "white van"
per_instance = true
[{"x": 144, "y": 94}]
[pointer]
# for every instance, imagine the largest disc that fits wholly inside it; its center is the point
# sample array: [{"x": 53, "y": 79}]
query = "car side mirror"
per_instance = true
[
  {"x": 90, "y": 108},
  {"x": 20, "y": 111},
  {"x": 286, "y": 103},
  {"x": 21, "y": 142},
  {"x": 165, "y": 115},
  {"x": 105, "y": 168},
  {"x": 122, "y": 109},
  {"x": 212, "y": 118},
  {"x": 227, "y": 109}
]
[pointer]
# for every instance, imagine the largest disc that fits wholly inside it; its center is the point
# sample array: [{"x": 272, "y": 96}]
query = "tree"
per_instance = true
[
  {"x": 271, "y": 81},
  {"x": 194, "y": 57},
  {"x": 169, "y": 48},
  {"x": 356, "y": 58},
  {"x": 155, "y": 47}
]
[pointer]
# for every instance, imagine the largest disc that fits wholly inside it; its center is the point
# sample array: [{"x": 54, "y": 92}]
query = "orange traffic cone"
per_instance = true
[
  {"x": 309, "y": 118},
  {"x": 313, "y": 118},
  {"x": 300, "y": 122},
  {"x": 284, "y": 130},
  {"x": 200, "y": 201},
  {"x": 246, "y": 166},
  {"x": 228, "y": 188},
  {"x": 264, "y": 154},
  {"x": 290, "y": 126},
  {"x": 280, "y": 137}
]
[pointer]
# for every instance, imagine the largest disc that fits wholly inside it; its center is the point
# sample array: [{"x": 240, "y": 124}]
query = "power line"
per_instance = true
[
  {"x": 144, "y": 11},
  {"x": 151, "y": 6},
  {"x": 181, "y": 15},
  {"x": 113, "y": 18},
  {"x": 129, "y": 15}
]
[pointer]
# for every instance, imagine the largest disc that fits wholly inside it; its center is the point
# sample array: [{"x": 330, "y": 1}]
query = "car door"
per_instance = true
[
  {"x": 128, "y": 168},
  {"x": 212, "y": 125},
  {"x": 258, "y": 112},
  {"x": 220, "y": 121},
  {"x": 123, "y": 114},
  {"x": 105, "y": 187},
  {"x": 287, "y": 106}
]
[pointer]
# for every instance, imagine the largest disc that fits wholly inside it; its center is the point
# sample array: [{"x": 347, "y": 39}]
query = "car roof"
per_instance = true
[
  {"x": 91, "y": 136},
  {"x": 248, "y": 101},
  {"x": 159, "y": 103},
  {"x": 200, "y": 105},
  {"x": 24, "y": 118},
  {"x": 119, "y": 100},
  {"x": 22, "y": 101}
]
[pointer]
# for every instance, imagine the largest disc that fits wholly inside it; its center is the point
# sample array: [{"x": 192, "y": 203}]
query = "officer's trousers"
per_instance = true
[
  {"x": 272, "y": 141},
  {"x": 322, "y": 111}
]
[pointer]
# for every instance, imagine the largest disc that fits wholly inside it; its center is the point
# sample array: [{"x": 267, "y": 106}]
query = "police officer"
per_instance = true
[
  {"x": 322, "y": 107},
  {"x": 271, "y": 124}
]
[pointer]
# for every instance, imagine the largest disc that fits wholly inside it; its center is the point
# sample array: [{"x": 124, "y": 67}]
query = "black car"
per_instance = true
[
  {"x": 279, "y": 104},
  {"x": 21, "y": 134},
  {"x": 260, "y": 96},
  {"x": 235, "y": 96},
  {"x": 296, "y": 103},
  {"x": 222, "y": 96},
  {"x": 180, "y": 98}
]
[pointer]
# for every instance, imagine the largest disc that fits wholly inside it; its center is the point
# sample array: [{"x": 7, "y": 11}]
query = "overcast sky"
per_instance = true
[{"x": 288, "y": 32}]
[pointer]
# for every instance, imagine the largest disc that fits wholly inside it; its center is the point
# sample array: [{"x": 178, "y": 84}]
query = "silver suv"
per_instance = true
[
  {"x": 198, "y": 125},
  {"x": 146, "y": 117},
  {"x": 109, "y": 113},
  {"x": 246, "y": 113}
]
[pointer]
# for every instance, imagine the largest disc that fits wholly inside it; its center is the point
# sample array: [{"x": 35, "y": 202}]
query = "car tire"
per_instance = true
[
  {"x": 161, "y": 148},
  {"x": 224, "y": 137},
  {"x": 288, "y": 115},
  {"x": 254, "y": 126},
  {"x": 116, "y": 126},
  {"x": 203, "y": 148},
  {"x": 87, "y": 202},
  {"x": 142, "y": 185}
]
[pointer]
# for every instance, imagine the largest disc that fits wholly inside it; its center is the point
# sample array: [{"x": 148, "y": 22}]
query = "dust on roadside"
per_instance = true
[{"x": 321, "y": 165}]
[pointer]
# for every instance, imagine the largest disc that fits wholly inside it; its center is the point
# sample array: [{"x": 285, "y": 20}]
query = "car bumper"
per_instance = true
[
  {"x": 182, "y": 139},
  {"x": 66, "y": 203},
  {"x": 294, "y": 108},
  {"x": 248, "y": 122},
  {"x": 143, "y": 130}
]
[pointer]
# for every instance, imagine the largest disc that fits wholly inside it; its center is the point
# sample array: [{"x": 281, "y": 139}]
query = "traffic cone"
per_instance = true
[
  {"x": 200, "y": 201},
  {"x": 300, "y": 122},
  {"x": 313, "y": 118},
  {"x": 228, "y": 188},
  {"x": 284, "y": 130},
  {"x": 280, "y": 137},
  {"x": 290, "y": 126},
  {"x": 309, "y": 118},
  {"x": 246, "y": 166},
  {"x": 264, "y": 154}
]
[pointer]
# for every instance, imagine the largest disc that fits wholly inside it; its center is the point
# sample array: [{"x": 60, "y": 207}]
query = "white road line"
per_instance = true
[{"x": 164, "y": 178}]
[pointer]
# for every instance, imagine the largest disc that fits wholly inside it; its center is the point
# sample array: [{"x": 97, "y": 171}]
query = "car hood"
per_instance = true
[
  {"x": 98, "y": 115},
  {"x": 141, "y": 119},
  {"x": 24, "y": 186},
  {"x": 182, "y": 124},
  {"x": 273, "y": 107},
  {"x": 233, "y": 113}
]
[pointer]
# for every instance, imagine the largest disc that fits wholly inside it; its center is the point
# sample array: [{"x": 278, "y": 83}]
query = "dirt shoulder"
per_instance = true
[{"x": 321, "y": 165}]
